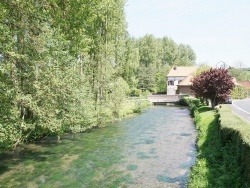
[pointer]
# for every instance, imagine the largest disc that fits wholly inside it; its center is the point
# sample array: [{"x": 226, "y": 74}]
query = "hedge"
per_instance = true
[
  {"x": 223, "y": 148},
  {"x": 192, "y": 102},
  {"x": 236, "y": 131}
]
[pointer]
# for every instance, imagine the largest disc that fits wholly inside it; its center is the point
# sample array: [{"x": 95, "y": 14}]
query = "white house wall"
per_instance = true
[{"x": 171, "y": 89}]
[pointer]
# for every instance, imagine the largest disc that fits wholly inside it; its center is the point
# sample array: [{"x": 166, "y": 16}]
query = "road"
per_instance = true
[{"x": 242, "y": 108}]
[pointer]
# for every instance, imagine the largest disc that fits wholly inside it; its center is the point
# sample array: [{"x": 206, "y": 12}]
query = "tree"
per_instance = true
[
  {"x": 67, "y": 66},
  {"x": 239, "y": 92},
  {"x": 239, "y": 74},
  {"x": 214, "y": 84},
  {"x": 186, "y": 56},
  {"x": 59, "y": 66},
  {"x": 201, "y": 68}
]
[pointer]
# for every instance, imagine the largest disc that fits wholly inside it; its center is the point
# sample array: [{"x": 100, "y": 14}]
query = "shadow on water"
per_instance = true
[
  {"x": 26, "y": 153},
  {"x": 37, "y": 153},
  {"x": 181, "y": 180}
]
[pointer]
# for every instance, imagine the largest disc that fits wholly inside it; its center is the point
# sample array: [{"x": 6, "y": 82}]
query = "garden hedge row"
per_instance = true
[
  {"x": 232, "y": 143},
  {"x": 236, "y": 131}
]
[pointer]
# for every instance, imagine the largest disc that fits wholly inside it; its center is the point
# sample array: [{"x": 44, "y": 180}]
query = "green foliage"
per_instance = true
[
  {"x": 68, "y": 66},
  {"x": 239, "y": 92},
  {"x": 187, "y": 101},
  {"x": 135, "y": 92},
  {"x": 57, "y": 69},
  {"x": 201, "y": 68},
  {"x": 156, "y": 56},
  {"x": 140, "y": 106},
  {"x": 192, "y": 102},
  {"x": 223, "y": 150},
  {"x": 239, "y": 74},
  {"x": 161, "y": 79},
  {"x": 235, "y": 135}
]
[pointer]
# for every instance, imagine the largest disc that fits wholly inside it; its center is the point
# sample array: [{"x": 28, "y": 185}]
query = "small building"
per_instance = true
[
  {"x": 245, "y": 84},
  {"x": 179, "y": 80}
]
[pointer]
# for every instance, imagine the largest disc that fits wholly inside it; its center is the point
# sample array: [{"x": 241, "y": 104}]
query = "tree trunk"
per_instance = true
[{"x": 213, "y": 102}]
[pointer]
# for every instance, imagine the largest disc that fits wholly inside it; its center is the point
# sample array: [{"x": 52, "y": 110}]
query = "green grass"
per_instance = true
[{"x": 217, "y": 163}]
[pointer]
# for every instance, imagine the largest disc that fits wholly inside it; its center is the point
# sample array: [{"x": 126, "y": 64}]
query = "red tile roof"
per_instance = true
[
  {"x": 181, "y": 71},
  {"x": 245, "y": 84},
  {"x": 186, "y": 81}
]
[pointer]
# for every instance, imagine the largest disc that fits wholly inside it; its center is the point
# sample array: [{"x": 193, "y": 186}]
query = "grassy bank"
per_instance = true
[
  {"x": 133, "y": 106},
  {"x": 223, "y": 149}
]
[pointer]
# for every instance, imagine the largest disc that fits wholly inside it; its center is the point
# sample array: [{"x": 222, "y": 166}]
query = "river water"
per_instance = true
[{"x": 153, "y": 149}]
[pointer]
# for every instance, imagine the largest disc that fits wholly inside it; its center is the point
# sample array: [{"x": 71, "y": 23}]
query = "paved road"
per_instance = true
[{"x": 242, "y": 108}]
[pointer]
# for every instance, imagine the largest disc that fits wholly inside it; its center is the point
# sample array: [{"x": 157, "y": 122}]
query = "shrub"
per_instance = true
[
  {"x": 223, "y": 144},
  {"x": 192, "y": 102},
  {"x": 235, "y": 133},
  {"x": 140, "y": 106},
  {"x": 187, "y": 101},
  {"x": 239, "y": 92}
]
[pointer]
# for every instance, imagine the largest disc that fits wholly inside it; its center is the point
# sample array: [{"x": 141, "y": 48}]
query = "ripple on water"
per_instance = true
[
  {"x": 142, "y": 155},
  {"x": 180, "y": 180},
  {"x": 153, "y": 149}
]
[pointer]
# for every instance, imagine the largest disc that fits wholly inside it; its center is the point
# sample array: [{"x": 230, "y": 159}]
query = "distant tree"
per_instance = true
[
  {"x": 239, "y": 74},
  {"x": 239, "y": 92},
  {"x": 201, "y": 68},
  {"x": 214, "y": 84}
]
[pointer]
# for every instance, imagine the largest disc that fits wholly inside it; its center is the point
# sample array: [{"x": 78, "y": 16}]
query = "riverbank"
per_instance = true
[
  {"x": 223, "y": 149},
  {"x": 16, "y": 135}
]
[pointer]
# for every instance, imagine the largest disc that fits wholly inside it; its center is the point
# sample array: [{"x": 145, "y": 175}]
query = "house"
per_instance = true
[
  {"x": 178, "y": 80},
  {"x": 245, "y": 84}
]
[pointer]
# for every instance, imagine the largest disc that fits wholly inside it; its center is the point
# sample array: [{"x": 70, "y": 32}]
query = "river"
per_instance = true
[{"x": 153, "y": 149}]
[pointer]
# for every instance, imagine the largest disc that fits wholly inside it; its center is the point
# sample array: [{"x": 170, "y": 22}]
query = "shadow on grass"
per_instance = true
[{"x": 204, "y": 109}]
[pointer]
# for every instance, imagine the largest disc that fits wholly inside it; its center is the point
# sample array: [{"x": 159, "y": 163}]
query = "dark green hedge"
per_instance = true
[
  {"x": 187, "y": 101},
  {"x": 235, "y": 133},
  {"x": 193, "y": 103},
  {"x": 223, "y": 148}
]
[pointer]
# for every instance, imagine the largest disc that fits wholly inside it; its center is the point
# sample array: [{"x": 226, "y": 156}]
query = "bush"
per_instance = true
[
  {"x": 140, "y": 106},
  {"x": 235, "y": 133},
  {"x": 187, "y": 101},
  {"x": 239, "y": 93},
  {"x": 192, "y": 102},
  {"x": 223, "y": 144},
  {"x": 135, "y": 92}
]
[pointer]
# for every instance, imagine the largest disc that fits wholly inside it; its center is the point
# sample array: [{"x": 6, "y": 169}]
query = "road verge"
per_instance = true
[{"x": 223, "y": 149}]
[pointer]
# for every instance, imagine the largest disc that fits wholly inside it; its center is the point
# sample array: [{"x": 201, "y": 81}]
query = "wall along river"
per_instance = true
[{"x": 153, "y": 149}]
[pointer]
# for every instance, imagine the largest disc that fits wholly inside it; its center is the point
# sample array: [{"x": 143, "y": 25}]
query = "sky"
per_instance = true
[{"x": 217, "y": 30}]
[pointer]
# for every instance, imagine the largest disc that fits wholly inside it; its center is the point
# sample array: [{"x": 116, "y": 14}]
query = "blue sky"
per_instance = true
[{"x": 217, "y": 30}]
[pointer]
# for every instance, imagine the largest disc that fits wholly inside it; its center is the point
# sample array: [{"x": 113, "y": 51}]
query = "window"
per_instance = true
[{"x": 171, "y": 83}]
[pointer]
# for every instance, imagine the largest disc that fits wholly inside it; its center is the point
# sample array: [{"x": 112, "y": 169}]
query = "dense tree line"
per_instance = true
[
  {"x": 239, "y": 73},
  {"x": 157, "y": 56},
  {"x": 67, "y": 66}
]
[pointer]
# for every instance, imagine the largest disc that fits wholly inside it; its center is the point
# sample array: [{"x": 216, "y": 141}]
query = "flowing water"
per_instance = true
[{"x": 154, "y": 149}]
